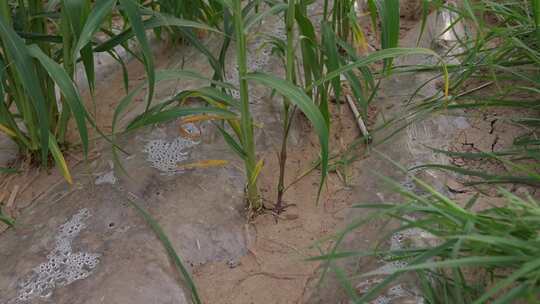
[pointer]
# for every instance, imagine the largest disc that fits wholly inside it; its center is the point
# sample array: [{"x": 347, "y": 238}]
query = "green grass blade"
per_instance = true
[
  {"x": 51, "y": 5},
  {"x": 536, "y": 14},
  {"x": 332, "y": 64},
  {"x": 212, "y": 95},
  {"x": 389, "y": 16},
  {"x": 18, "y": 52},
  {"x": 372, "y": 8},
  {"x": 171, "y": 252},
  {"x": 38, "y": 37},
  {"x": 345, "y": 283},
  {"x": 168, "y": 115},
  {"x": 161, "y": 20},
  {"x": 377, "y": 56},
  {"x": 102, "y": 8},
  {"x": 77, "y": 12},
  {"x": 429, "y": 254},
  {"x": 489, "y": 178},
  {"x": 235, "y": 146},
  {"x": 308, "y": 44},
  {"x": 254, "y": 19},
  {"x": 509, "y": 241},
  {"x": 508, "y": 281},
  {"x": 178, "y": 74},
  {"x": 341, "y": 255},
  {"x": 158, "y": 20},
  {"x": 125, "y": 75},
  {"x": 423, "y": 23},
  {"x": 67, "y": 88},
  {"x": 469, "y": 10},
  {"x": 512, "y": 295},
  {"x": 132, "y": 11},
  {"x": 6, "y": 219},
  {"x": 357, "y": 92},
  {"x": 59, "y": 159},
  {"x": 8, "y": 170},
  {"x": 162, "y": 75}
]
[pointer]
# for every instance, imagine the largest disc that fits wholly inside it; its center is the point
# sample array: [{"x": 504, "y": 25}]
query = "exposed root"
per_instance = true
[{"x": 279, "y": 208}]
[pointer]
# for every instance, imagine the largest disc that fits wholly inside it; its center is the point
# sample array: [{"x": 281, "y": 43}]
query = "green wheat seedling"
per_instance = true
[
  {"x": 237, "y": 114},
  {"x": 40, "y": 49},
  {"x": 496, "y": 240}
]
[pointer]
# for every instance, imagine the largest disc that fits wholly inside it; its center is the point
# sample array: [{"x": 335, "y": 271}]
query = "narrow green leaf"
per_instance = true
[
  {"x": 6, "y": 219},
  {"x": 158, "y": 20},
  {"x": 38, "y": 37},
  {"x": 372, "y": 8},
  {"x": 8, "y": 170},
  {"x": 232, "y": 143},
  {"x": 162, "y": 75},
  {"x": 212, "y": 95},
  {"x": 536, "y": 14},
  {"x": 68, "y": 89},
  {"x": 377, "y": 56},
  {"x": 332, "y": 64},
  {"x": 429, "y": 254},
  {"x": 512, "y": 295},
  {"x": 509, "y": 280},
  {"x": 101, "y": 9},
  {"x": 171, "y": 252},
  {"x": 135, "y": 20},
  {"x": 59, "y": 159},
  {"x": 254, "y": 19},
  {"x": 390, "y": 19},
  {"x": 18, "y": 52},
  {"x": 471, "y": 14},
  {"x": 51, "y": 5},
  {"x": 423, "y": 23},
  {"x": 170, "y": 114},
  {"x": 491, "y": 178}
]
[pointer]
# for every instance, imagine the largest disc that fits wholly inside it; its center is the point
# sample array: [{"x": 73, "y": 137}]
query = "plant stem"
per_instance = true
[
  {"x": 5, "y": 12},
  {"x": 38, "y": 25},
  {"x": 286, "y": 111},
  {"x": 325, "y": 10},
  {"x": 246, "y": 122},
  {"x": 16, "y": 91}
]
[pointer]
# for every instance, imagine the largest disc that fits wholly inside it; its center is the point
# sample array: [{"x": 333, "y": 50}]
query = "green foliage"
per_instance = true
[
  {"x": 388, "y": 12},
  {"x": 43, "y": 42},
  {"x": 8, "y": 170},
  {"x": 6, "y": 219},
  {"x": 481, "y": 254},
  {"x": 40, "y": 45},
  {"x": 495, "y": 239},
  {"x": 511, "y": 67},
  {"x": 171, "y": 252}
]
